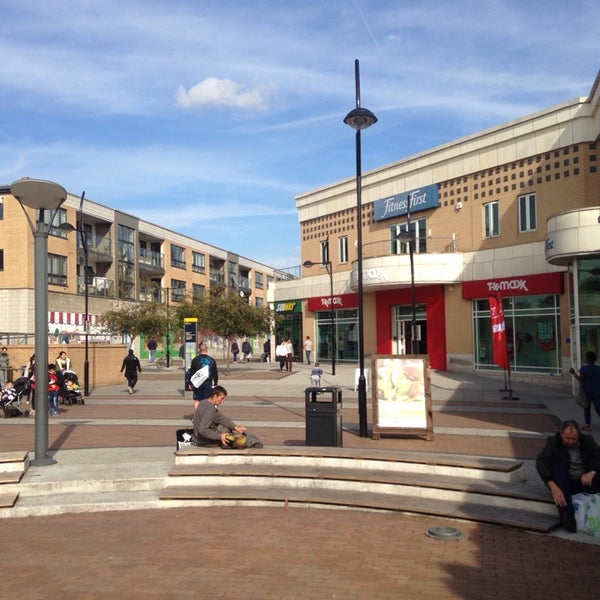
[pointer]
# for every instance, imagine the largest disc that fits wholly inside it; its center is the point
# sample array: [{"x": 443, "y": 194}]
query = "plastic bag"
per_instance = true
[{"x": 587, "y": 513}]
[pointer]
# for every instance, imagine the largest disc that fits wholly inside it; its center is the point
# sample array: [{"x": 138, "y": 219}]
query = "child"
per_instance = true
[{"x": 315, "y": 375}]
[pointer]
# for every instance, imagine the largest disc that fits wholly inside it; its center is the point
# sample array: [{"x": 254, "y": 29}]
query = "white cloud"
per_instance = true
[{"x": 225, "y": 92}]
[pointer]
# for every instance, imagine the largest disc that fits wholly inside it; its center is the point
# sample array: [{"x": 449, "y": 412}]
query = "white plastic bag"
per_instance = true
[
  {"x": 587, "y": 513},
  {"x": 200, "y": 376}
]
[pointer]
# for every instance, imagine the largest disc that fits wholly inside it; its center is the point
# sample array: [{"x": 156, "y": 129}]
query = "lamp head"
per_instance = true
[
  {"x": 38, "y": 193},
  {"x": 405, "y": 236},
  {"x": 308, "y": 264},
  {"x": 360, "y": 118}
]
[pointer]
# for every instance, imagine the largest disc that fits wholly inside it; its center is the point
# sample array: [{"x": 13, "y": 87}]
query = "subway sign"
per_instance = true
[{"x": 422, "y": 198}]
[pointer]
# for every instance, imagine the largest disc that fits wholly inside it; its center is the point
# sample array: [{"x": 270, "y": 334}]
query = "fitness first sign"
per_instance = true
[{"x": 395, "y": 206}]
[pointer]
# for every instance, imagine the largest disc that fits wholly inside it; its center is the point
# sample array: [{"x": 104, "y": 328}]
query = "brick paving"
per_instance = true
[
  {"x": 285, "y": 553},
  {"x": 278, "y": 553}
]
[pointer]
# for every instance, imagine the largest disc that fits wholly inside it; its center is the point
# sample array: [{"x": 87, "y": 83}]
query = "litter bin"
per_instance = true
[{"x": 323, "y": 416}]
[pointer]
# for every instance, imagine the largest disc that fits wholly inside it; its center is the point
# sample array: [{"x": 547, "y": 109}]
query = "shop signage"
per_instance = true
[
  {"x": 422, "y": 198},
  {"x": 288, "y": 306},
  {"x": 340, "y": 302},
  {"x": 526, "y": 285}
]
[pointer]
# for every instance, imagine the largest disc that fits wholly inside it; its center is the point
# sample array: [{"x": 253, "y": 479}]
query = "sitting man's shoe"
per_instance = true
[{"x": 567, "y": 520}]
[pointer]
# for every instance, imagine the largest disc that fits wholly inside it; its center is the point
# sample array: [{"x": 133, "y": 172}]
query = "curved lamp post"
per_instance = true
[
  {"x": 327, "y": 265},
  {"x": 360, "y": 118},
  {"x": 41, "y": 196}
]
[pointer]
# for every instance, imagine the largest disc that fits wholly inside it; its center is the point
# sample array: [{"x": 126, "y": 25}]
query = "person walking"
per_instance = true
[
  {"x": 589, "y": 378},
  {"x": 281, "y": 353},
  {"x": 308, "y": 346},
  {"x": 54, "y": 387},
  {"x": 235, "y": 350},
  {"x": 289, "y": 357},
  {"x": 267, "y": 351},
  {"x": 152, "y": 345},
  {"x": 4, "y": 366},
  {"x": 131, "y": 366},
  {"x": 204, "y": 390},
  {"x": 246, "y": 350}
]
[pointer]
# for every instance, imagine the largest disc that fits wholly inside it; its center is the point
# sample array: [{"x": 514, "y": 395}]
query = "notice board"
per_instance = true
[{"x": 402, "y": 396}]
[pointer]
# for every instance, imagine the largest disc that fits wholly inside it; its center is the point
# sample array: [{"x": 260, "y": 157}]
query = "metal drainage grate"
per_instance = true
[{"x": 445, "y": 533}]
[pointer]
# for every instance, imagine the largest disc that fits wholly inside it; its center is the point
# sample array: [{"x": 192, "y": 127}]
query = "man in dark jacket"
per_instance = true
[
  {"x": 569, "y": 464},
  {"x": 131, "y": 366},
  {"x": 203, "y": 392}
]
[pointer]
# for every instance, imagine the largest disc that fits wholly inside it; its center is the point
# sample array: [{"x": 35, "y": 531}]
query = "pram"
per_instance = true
[
  {"x": 11, "y": 399},
  {"x": 71, "y": 392}
]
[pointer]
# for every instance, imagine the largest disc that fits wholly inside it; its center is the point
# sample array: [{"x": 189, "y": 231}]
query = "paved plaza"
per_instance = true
[{"x": 278, "y": 552}]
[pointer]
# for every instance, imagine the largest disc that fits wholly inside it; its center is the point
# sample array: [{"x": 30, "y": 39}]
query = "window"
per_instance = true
[
  {"x": 260, "y": 302},
  {"x": 60, "y": 217},
  {"x": 1, "y": 208},
  {"x": 198, "y": 265},
  {"x": 198, "y": 291},
  {"x": 258, "y": 280},
  {"x": 57, "y": 269},
  {"x": 418, "y": 227},
  {"x": 177, "y": 256},
  {"x": 126, "y": 270},
  {"x": 343, "y": 242},
  {"x": 177, "y": 290},
  {"x": 492, "y": 220},
  {"x": 1, "y": 260},
  {"x": 325, "y": 252},
  {"x": 527, "y": 213}
]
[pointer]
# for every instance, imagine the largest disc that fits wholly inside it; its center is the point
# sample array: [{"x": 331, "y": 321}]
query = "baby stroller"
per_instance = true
[
  {"x": 11, "y": 398},
  {"x": 71, "y": 392}
]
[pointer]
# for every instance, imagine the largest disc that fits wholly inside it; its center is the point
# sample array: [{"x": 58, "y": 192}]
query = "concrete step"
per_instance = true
[
  {"x": 317, "y": 497},
  {"x": 473, "y": 467},
  {"x": 465, "y": 487}
]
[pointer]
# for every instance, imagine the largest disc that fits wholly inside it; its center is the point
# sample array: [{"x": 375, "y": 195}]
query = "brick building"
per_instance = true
[
  {"x": 129, "y": 260},
  {"x": 514, "y": 208}
]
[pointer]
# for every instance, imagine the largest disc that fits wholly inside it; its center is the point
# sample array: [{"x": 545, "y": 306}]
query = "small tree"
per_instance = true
[
  {"x": 228, "y": 316},
  {"x": 143, "y": 319}
]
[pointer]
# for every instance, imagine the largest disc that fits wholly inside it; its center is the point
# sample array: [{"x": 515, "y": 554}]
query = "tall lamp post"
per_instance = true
[
  {"x": 41, "y": 196},
  {"x": 328, "y": 267},
  {"x": 360, "y": 118},
  {"x": 85, "y": 248}
]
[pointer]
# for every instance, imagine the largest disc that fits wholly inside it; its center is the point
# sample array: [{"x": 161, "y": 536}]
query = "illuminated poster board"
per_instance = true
[{"x": 402, "y": 396}]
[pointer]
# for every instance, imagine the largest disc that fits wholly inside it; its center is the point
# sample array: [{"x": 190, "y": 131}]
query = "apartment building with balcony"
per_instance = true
[
  {"x": 129, "y": 260},
  {"x": 514, "y": 209}
]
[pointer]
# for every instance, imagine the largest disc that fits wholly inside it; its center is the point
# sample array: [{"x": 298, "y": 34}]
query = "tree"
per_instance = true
[
  {"x": 142, "y": 319},
  {"x": 228, "y": 316}
]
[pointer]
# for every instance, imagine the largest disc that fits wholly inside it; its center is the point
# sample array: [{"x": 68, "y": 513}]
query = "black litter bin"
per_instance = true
[{"x": 323, "y": 416}]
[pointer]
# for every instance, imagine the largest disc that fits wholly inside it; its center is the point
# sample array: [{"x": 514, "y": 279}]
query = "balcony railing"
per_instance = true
[
  {"x": 152, "y": 258},
  {"x": 428, "y": 245},
  {"x": 99, "y": 247},
  {"x": 97, "y": 286},
  {"x": 217, "y": 277}
]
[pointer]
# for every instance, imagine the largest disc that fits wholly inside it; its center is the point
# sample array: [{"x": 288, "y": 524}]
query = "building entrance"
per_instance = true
[{"x": 401, "y": 330}]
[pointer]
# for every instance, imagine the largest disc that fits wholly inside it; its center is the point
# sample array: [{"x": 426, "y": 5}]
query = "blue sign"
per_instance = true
[{"x": 395, "y": 206}]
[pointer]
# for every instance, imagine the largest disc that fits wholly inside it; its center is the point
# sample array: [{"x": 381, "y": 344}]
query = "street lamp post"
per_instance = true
[
  {"x": 41, "y": 196},
  {"x": 360, "y": 118},
  {"x": 328, "y": 268},
  {"x": 85, "y": 248}
]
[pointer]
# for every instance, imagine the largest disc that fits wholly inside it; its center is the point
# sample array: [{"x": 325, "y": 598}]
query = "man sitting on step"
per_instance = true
[
  {"x": 569, "y": 464},
  {"x": 211, "y": 427}
]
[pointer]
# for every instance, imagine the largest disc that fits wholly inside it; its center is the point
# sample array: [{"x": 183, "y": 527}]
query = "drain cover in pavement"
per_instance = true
[{"x": 445, "y": 533}]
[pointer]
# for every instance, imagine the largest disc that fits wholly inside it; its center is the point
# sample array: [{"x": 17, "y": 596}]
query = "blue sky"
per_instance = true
[{"x": 209, "y": 117}]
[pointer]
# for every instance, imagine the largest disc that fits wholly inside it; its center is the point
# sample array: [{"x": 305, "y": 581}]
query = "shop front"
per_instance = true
[
  {"x": 288, "y": 324},
  {"x": 336, "y": 328},
  {"x": 532, "y": 315},
  {"x": 394, "y": 318}
]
